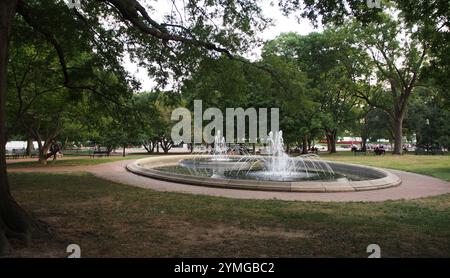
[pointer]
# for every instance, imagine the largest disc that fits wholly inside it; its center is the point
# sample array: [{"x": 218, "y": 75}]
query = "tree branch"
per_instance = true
[
  {"x": 23, "y": 10},
  {"x": 392, "y": 65},
  {"x": 130, "y": 10}
]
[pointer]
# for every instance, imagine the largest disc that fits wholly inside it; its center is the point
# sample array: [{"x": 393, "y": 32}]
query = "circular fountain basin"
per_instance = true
[
  {"x": 212, "y": 162},
  {"x": 370, "y": 178}
]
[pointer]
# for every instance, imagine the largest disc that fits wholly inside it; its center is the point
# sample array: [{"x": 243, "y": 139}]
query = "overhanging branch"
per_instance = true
[{"x": 131, "y": 9}]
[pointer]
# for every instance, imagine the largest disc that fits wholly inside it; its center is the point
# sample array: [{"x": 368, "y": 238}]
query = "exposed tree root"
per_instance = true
[
  {"x": 5, "y": 247},
  {"x": 16, "y": 223}
]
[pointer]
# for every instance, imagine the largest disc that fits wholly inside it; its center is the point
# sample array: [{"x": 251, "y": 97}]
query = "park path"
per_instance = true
[{"x": 413, "y": 185}]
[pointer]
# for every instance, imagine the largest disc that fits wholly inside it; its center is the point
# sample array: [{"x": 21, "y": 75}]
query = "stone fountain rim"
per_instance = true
[{"x": 386, "y": 180}]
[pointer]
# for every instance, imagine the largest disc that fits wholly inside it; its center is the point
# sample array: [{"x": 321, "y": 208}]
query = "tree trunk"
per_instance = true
[
  {"x": 398, "y": 135},
  {"x": 331, "y": 141},
  {"x": 14, "y": 221},
  {"x": 328, "y": 143},
  {"x": 149, "y": 146},
  {"x": 363, "y": 143},
  {"x": 333, "y": 144},
  {"x": 123, "y": 152},
  {"x": 64, "y": 144},
  {"x": 305, "y": 145},
  {"x": 166, "y": 145},
  {"x": 43, "y": 150},
  {"x": 43, "y": 154},
  {"x": 30, "y": 146}
]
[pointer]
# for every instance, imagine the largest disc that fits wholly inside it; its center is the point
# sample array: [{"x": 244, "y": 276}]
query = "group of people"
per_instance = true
[{"x": 377, "y": 150}]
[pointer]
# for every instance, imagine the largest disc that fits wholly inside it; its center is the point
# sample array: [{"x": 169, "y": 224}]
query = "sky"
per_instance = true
[{"x": 282, "y": 24}]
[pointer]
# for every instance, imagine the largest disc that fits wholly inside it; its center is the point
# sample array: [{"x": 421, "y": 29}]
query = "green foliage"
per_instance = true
[
  {"x": 272, "y": 82},
  {"x": 328, "y": 59},
  {"x": 427, "y": 119},
  {"x": 313, "y": 78},
  {"x": 42, "y": 106}
]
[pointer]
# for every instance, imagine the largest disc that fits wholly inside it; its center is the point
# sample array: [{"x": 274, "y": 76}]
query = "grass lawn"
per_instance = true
[
  {"x": 108, "y": 219},
  {"x": 73, "y": 161},
  {"x": 432, "y": 165}
]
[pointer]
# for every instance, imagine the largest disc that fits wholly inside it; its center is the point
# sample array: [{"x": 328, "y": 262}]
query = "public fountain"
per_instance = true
[
  {"x": 277, "y": 165},
  {"x": 275, "y": 170},
  {"x": 279, "y": 161},
  {"x": 220, "y": 149}
]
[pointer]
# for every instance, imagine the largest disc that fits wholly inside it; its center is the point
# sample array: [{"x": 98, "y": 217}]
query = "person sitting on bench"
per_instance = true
[{"x": 380, "y": 150}]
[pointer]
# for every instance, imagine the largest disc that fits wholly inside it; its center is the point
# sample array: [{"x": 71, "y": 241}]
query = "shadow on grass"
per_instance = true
[{"x": 112, "y": 220}]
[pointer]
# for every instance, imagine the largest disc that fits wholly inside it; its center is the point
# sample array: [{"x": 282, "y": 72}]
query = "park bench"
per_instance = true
[
  {"x": 420, "y": 151},
  {"x": 34, "y": 153},
  {"x": 359, "y": 152},
  {"x": 10, "y": 155},
  {"x": 437, "y": 151},
  {"x": 313, "y": 150},
  {"x": 15, "y": 154},
  {"x": 99, "y": 153},
  {"x": 428, "y": 151}
]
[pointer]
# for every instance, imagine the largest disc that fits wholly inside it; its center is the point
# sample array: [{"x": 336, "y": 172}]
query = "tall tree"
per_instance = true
[
  {"x": 174, "y": 44},
  {"x": 149, "y": 119},
  {"x": 14, "y": 221},
  {"x": 398, "y": 56},
  {"x": 328, "y": 60},
  {"x": 427, "y": 118}
]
